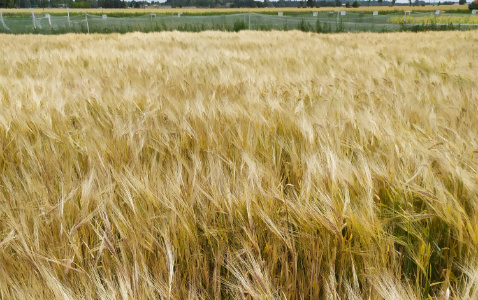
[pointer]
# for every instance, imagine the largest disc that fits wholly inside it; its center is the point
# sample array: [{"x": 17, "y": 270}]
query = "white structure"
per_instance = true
[{"x": 3, "y": 22}]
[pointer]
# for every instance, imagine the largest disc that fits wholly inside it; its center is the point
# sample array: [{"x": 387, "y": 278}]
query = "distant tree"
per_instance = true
[
  {"x": 347, "y": 4},
  {"x": 280, "y": 3},
  {"x": 310, "y": 3},
  {"x": 380, "y": 1},
  {"x": 19, "y": 3},
  {"x": 356, "y": 4},
  {"x": 462, "y": 2},
  {"x": 92, "y": 3},
  {"x": 80, "y": 4}
]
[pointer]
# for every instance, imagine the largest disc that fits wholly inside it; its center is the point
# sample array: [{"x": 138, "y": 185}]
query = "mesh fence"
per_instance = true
[{"x": 318, "y": 22}]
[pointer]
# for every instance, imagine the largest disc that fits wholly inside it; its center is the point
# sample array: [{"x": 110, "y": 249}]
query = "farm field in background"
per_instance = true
[
  {"x": 250, "y": 165},
  {"x": 138, "y": 11},
  {"x": 435, "y": 19}
]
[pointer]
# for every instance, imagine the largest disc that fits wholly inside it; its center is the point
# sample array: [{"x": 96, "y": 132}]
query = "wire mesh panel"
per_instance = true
[{"x": 317, "y": 22}]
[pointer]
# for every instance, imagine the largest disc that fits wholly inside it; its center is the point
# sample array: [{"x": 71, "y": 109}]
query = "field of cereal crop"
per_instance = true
[{"x": 250, "y": 165}]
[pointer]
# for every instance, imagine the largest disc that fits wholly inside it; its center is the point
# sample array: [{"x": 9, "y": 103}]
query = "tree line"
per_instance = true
[
  {"x": 64, "y": 3},
  {"x": 252, "y": 3},
  {"x": 198, "y": 3},
  {"x": 172, "y": 3}
]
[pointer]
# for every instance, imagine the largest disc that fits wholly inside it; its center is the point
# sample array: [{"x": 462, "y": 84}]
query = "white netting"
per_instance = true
[{"x": 319, "y": 22}]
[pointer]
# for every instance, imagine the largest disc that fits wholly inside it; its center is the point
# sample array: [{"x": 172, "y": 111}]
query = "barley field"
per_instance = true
[
  {"x": 250, "y": 165},
  {"x": 427, "y": 20}
]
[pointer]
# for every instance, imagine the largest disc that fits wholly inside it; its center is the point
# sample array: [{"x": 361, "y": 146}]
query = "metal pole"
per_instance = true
[
  {"x": 249, "y": 21},
  {"x": 87, "y": 26},
  {"x": 68, "y": 11}
]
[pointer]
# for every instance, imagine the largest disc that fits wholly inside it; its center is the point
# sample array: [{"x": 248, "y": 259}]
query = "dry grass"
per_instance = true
[
  {"x": 248, "y": 165},
  {"x": 464, "y": 8}
]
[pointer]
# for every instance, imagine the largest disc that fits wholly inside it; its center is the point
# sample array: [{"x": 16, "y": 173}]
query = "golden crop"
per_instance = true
[
  {"x": 435, "y": 20},
  {"x": 251, "y": 165}
]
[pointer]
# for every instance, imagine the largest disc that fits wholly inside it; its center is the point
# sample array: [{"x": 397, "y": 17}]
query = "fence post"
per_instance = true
[
  {"x": 3, "y": 22},
  {"x": 249, "y": 21},
  {"x": 87, "y": 26},
  {"x": 49, "y": 19},
  {"x": 34, "y": 22},
  {"x": 68, "y": 11}
]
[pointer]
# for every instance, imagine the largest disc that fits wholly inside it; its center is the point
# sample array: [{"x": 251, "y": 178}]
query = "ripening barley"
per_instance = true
[
  {"x": 251, "y": 165},
  {"x": 427, "y": 20}
]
